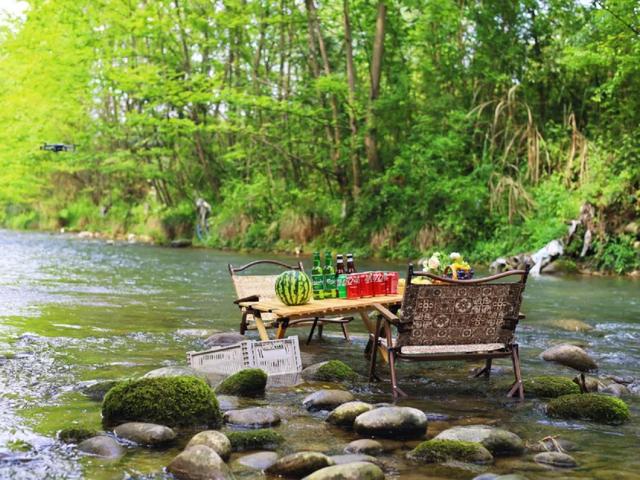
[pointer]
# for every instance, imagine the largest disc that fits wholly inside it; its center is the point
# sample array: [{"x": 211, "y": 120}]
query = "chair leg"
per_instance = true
[
  {"x": 320, "y": 329},
  {"x": 517, "y": 385},
  {"x": 345, "y": 332},
  {"x": 394, "y": 379},
  {"x": 372, "y": 363},
  {"x": 243, "y": 324},
  {"x": 313, "y": 327},
  {"x": 486, "y": 370}
]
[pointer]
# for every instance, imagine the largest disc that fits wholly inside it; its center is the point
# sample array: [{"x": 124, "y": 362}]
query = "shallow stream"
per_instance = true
[{"x": 76, "y": 311}]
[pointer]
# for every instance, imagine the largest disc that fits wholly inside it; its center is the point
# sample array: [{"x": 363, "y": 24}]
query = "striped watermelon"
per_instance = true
[{"x": 293, "y": 287}]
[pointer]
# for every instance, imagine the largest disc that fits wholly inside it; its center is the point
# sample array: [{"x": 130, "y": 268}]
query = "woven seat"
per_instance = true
[
  {"x": 454, "y": 320},
  {"x": 263, "y": 288}
]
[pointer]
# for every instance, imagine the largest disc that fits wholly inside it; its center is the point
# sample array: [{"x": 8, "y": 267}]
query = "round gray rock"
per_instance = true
[
  {"x": 556, "y": 459},
  {"x": 345, "y": 414},
  {"x": 259, "y": 460},
  {"x": 349, "y": 471},
  {"x": 101, "y": 446},
  {"x": 145, "y": 433},
  {"x": 354, "y": 457},
  {"x": 299, "y": 464},
  {"x": 498, "y": 441},
  {"x": 213, "y": 439},
  {"x": 392, "y": 422},
  {"x": 224, "y": 339},
  {"x": 257, "y": 417},
  {"x": 570, "y": 356},
  {"x": 199, "y": 463},
  {"x": 327, "y": 399},
  {"x": 175, "y": 372},
  {"x": 364, "y": 445},
  {"x": 616, "y": 389}
]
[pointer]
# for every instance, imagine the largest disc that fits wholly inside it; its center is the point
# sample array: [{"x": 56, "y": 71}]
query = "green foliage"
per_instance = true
[
  {"x": 248, "y": 382},
  {"x": 254, "y": 439},
  {"x": 460, "y": 150},
  {"x": 439, "y": 451},
  {"x": 170, "y": 401},
  {"x": 548, "y": 386},
  {"x": 589, "y": 406}
]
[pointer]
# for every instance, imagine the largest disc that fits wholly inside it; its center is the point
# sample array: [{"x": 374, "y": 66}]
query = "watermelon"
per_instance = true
[{"x": 293, "y": 287}]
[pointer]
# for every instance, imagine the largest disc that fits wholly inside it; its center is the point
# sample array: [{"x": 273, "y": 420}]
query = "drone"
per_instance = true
[{"x": 58, "y": 147}]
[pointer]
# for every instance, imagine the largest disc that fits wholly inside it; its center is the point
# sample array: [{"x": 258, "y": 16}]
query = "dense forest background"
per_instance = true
[{"x": 386, "y": 127}]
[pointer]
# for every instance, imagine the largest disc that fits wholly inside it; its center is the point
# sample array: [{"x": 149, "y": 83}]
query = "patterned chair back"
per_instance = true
[
  {"x": 460, "y": 312},
  {"x": 262, "y": 285}
]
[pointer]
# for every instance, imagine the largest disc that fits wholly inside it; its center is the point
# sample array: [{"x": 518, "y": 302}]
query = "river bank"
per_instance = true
[{"x": 74, "y": 313}]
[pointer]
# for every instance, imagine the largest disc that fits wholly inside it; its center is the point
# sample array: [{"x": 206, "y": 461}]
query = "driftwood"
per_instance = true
[{"x": 555, "y": 248}]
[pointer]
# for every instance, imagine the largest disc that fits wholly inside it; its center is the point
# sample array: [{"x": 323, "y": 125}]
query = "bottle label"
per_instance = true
[
  {"x": 330, "y": 286},
  {"x": 318, "y": 286},
  {"x": 341, "y": 285}
]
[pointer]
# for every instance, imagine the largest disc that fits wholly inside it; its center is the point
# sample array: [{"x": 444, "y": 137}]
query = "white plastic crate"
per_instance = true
[{"x": 275, "y": 357}]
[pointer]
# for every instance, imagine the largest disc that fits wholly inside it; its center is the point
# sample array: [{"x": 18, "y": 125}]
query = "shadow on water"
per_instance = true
[{"x": 74, "y": 312}]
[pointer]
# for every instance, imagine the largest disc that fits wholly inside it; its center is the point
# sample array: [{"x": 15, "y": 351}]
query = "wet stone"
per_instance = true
[
  {"x": 97, "y": 391},
  {"x": 570, "y": 356},
  {"x": 616, "y": 389},
  {"x": 213, "y": 439},
  {"x": 548, "y": 444},
  {"x": 223, "y": 339},
  {"x": 199, "y": 463},
  {"x": 327, "y": 399},
  {"x": 259, "y": 460},
  {"x": 498, "y": 441},
  {"x": 392, "y": 422},
  {"x": 345, "y": 414},
  {"x": 177, "y": 371},
  {"x": 365, "y": 445},
  {"x": 349, "y": 471},
  {"x": 145, "y": 433},
  {"x": 101, "y": 446},
  {"x": 257, "y": 417},
  {"x": 228, "y": 402},
  {"x": 299, "y": 464},
  {"x": 556, "y": 459},
  {"x": 354, "y": 457}
]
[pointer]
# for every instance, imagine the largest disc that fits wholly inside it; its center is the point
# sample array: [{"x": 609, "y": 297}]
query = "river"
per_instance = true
[{"x": 75, "y": 311}]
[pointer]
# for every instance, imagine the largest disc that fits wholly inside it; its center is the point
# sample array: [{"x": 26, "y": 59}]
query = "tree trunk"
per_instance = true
[
  {"x": 351, "y": 78},
  {"x": 370, "y": 141}
]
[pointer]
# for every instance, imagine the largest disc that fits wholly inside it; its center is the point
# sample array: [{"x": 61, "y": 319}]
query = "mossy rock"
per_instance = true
[
  {"x": 549, "y": 386},
  {"x": 170, "y": 401},
  {"x": 254, "y": 439},
  {"x": 97, "y": 391},
  {"x": 440, "y": 451},
  {"x": 331, "y": 371},
  {"x": 245, "y": 383},
  {"x": 76, "y": 434},
  {"x": 589, "y": 406}
]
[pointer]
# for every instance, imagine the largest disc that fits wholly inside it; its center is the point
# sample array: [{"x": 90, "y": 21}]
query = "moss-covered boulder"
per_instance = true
[
  {"x": 550, "y": 386},
  {"x": 76, "y": 434},
  {"x": 170, "y": 401},
  {"x": 97, "y": 391},
  {"x": 264, "y": 439},
  {"x": 440, "y": 451},
  {"x": 345, "y": 414},
  {"x": 331, "y": 371},
  {"x": 589, "y": 406},
  {"x": 245, "y": 383}
]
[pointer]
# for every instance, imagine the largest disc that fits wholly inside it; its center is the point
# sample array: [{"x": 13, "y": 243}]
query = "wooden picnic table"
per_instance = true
[{"x": 317, "y": 308}]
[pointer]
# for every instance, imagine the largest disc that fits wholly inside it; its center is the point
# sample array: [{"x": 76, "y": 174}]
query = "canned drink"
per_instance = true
[
  {"x": 341, "y": 282},
  {"x": 391, "y": 283},
  {"x": 366, "y": 284},
  {"x": 353, "y": 285},
  {"x": 379, "y": 285}
]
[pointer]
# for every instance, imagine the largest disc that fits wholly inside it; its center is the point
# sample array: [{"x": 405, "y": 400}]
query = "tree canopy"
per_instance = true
[{"x": 389, "y": 127}]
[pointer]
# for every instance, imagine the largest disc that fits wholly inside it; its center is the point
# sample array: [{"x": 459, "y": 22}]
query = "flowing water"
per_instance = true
[{"x": 76, "y": 311}]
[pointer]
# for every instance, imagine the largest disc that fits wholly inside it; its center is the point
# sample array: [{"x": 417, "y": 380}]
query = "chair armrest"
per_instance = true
[
  {"x": 521, "y": 316},
  {"x": 386, "y": 313},
  {"x": 250, "y": 298}
]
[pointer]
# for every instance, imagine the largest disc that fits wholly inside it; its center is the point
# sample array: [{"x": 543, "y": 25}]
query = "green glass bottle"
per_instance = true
[
  {"x": 330, "y": 286},
  {"x": 317, "y": 277}
]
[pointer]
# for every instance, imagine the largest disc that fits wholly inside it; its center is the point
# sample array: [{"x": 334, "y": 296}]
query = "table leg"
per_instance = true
[
  {"x": 262, "y": 331},
  {"x": 282, "y": 328},
  {"x": 372, "y": 329}
]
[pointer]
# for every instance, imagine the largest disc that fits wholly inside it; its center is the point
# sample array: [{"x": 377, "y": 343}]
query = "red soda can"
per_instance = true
[
  {"x": 366, "y": 284},
  {"x": 391, "y": 283},
  {"x": 379, "y": 285},
  {"x": 353, "y": 285}
]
